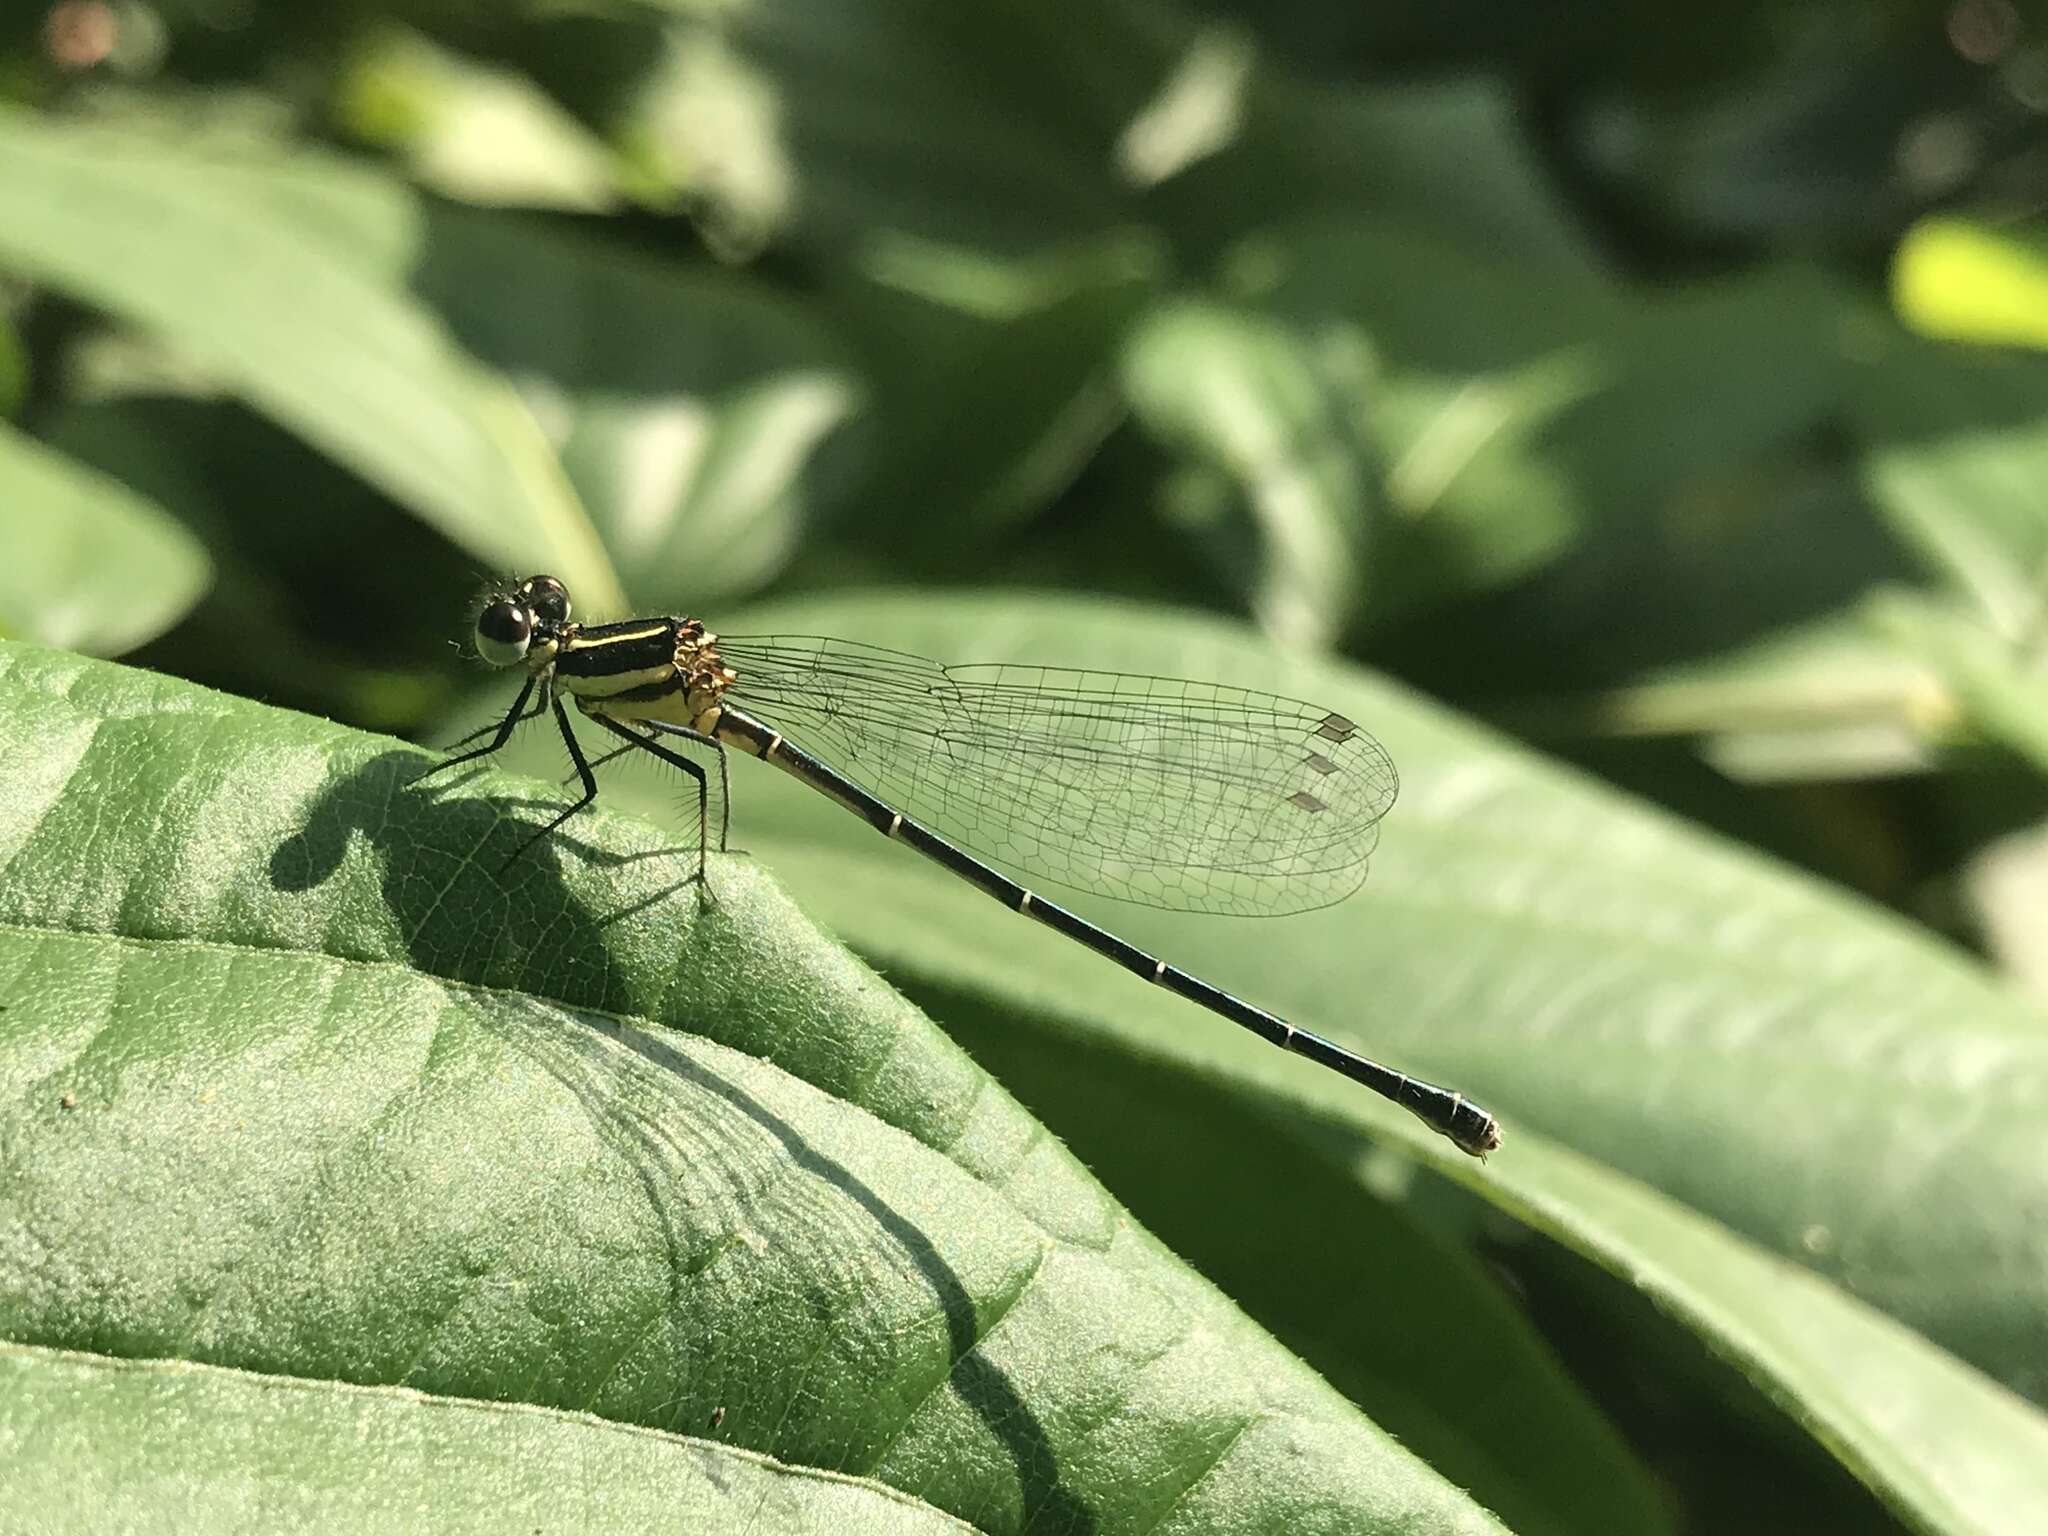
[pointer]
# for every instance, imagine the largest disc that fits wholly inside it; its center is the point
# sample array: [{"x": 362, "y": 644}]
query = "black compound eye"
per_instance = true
[
  {"x": 547, "y": 599},
  {"x": 503, "y": 631}
]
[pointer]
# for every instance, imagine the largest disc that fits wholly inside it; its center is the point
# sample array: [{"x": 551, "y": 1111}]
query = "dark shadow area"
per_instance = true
[
  {"x": 308, "y": 858},
  {"x": 1735, "y": 1460}
]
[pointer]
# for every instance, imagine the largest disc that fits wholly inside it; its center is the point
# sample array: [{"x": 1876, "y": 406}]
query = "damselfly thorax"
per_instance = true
[{"x": 643, "y": 669}]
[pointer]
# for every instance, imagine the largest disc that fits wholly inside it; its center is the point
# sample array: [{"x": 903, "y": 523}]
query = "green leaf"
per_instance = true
[
  {"x": 94, "y": 1444},
  {"x": 1968, "y": 281},
  {"x": 1830, "y": 700},
  {"x": 1996, "y": 688},
  {"x": 993, "y": 381},
  {"x": 1276, "y": 415},
  {"x": 1206, "y": 1163},
  {"x": 1689, "y": 621},
  {"x": 90, "y": 564},
  {"x": 296, "y": 1077},
  {"x": 696, "y": 411},
  {"x": 1522, "y": 415},
  {"x": 471, "y": 131},
  {"x": 282, "y": 277},
  {"x": 1450, "y": 158},
  {"x": 1297, "y": 1240},
  {"x": 1956, "y": 456},
  {"x": 812, "y": 106},
  {"x": 1144, "y": 113},
  {"x": 1779, "y": 1112}
]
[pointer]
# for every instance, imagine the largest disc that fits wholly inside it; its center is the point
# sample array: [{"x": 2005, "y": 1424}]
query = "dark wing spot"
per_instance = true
[
  {"x": 1336, "y": 728},
  {"x": 1320, "y": 763},
  {"x": 1306, "y": 801}
]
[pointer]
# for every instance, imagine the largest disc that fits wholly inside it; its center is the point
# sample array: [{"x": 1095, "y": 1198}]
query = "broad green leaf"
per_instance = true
[
  {"x": 1241, "y": 1199},
  {"x": 1778, "y": 1111},
  {"x": 1242, "y": 393},
  {"x": 826, "y": 123},
  {"x": 1956, "y": 455},
  {"x": 1297, "y": 1239},
  {"x": 89, "y": 563},
  {"x": 1524, "y": 415},
  {"x": 700, "y": 415},
  {"x": 993, "y": 381},
  {"x": 1689, "y": 621},
  {"x": 267, "y": 274},
  {"x": 1997, "y": 687},
  {"x": 1943, "y": 1447},
  {"x": 296, "y": 1077},
  {"x": 688, "y": 404},
  {"x": 1967, "y": 281},
  {"x": 1830, "y": 700},
  {"x": 478, "y": 133},
  {"x": 93, "y": 1443},
  {"x": 2007, "y": 884},
  {"x": 1452, "y": 158}
]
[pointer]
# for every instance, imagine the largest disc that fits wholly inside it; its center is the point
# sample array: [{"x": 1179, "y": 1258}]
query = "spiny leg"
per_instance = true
[
  {"x": 503, "y": 732},
  {"x": 695, "y": 771},
  {"x": 608, "y": 757},
  {"x": 518, "y": 718},
  {"x": 689, "y": 733},
  {"x": 635, "y": 740},
  {"x": 582, "y": 771}
]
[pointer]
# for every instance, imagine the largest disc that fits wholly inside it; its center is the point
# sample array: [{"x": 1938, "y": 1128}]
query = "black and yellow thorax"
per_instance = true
[{"x": 643, "y": 669}]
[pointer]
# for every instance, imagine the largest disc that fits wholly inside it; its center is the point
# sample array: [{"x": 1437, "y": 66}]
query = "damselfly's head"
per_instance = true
[{"x": 523, "y": 625}]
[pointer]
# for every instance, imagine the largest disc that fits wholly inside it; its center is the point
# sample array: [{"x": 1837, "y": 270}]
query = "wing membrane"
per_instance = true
[{"x": 1191, "y": 796}]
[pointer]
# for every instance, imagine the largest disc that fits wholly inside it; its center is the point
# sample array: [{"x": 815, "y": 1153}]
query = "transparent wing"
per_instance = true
[{"x": 1191, "y": 796}]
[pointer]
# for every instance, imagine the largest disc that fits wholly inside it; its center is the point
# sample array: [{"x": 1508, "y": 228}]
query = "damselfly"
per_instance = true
[{"x": 1194, "y": 797}]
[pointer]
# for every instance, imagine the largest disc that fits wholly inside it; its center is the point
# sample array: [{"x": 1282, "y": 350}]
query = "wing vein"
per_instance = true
[{"x": 1170, "y": 793}]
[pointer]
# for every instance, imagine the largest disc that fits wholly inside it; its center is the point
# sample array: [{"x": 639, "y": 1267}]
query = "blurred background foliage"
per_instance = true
[
  {"x": 1669, "y": 394},
  {"x": 1666, "y": 389}
]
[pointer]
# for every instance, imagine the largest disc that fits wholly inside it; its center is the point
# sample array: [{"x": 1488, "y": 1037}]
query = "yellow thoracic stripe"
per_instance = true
[{"x": 581, "y": 670}]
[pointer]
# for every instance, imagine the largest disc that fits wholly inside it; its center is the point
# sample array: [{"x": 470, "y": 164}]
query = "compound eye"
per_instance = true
[
  {"x": 503, "y": 631},
  {"x": 547, "y": 599}
]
